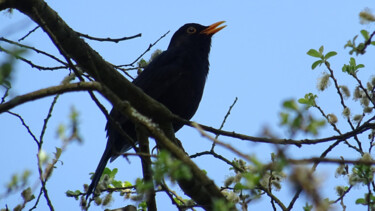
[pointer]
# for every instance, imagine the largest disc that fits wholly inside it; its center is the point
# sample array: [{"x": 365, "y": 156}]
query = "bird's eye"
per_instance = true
[{"x": 191, "y": 30}]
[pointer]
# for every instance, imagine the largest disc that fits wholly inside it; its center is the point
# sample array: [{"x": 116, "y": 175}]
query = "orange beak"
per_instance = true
[{"x": 213, "y": 28}]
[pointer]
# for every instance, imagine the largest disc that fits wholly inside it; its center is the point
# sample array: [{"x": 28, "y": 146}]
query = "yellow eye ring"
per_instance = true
[{"x": 191, "y": 30}]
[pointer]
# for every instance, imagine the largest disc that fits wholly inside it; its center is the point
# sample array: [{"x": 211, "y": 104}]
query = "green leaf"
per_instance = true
[
  {"x": 314, "y": 53},
  {"x": 345, "y": 68},
  {"x": 365, "y": 34},
  {"x": 308, "y": 207},
  {"x": 361, "y": 201},
  {"x": 128, "y": 184},
  {"x": 315, "y": 125},
  {"x": 113, "y": 173},
  {"x": 308, "y": 100},
  {"x": 58, "y": 153},
  {"x": 290, "y": 104},
  {"x": 352, "y": 62},
  {"x": 239, "y": 186},
  {"x": 330, "y": 54},
  {"x": 321, "y": 49},
  {"x": 359, "y": 66},
  {"x": 142, "y": 63},
  {"x": 315, "y": 64},
  {"x": 284, "y": 118},
  {"x": 302, "y": 101},
  {"x": 142, "y": 205},
  {"x": 116, "y": 183}
]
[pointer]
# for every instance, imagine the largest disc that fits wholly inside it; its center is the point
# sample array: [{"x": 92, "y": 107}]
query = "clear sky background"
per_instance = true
[{"x": 260, "y": 57}]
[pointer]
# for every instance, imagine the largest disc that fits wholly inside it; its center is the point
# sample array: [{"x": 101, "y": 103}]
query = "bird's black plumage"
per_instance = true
[{"x": 175, "y": 78}]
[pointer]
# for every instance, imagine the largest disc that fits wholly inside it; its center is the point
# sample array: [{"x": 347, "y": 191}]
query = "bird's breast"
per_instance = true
[{"x": 185, "y": 95}]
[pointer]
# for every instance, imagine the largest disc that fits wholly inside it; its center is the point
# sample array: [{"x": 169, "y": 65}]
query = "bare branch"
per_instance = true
[
  {"x": 364, "y": 127},
  {"x": 227, "y": 146},
  {"x": 34, "y": 49},
  {"x": 49, "y": 114},
  {"x": 147, "y": 50},
  {"x": 26, "y": 126},
  {"x": 329, "y": 160},
  {"x": 225, "y": 119},
  {"x": 31, "y": 31},
  {"x": 116, "y": 40},
  {"x": 30, "y": 62},
  {"x": 82, "y": 86}
]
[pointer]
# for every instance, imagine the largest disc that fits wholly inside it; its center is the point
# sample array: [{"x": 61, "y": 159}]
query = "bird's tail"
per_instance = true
[{"x": 99, "y": 171}]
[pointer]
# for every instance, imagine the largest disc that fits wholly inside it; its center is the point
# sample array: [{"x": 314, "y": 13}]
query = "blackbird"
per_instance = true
[{"x": 175, "y": 78}]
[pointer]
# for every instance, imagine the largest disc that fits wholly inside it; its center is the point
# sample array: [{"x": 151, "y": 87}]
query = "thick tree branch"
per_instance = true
[
  {"x": 146, "y": 166},
  {"x": 50, "y": 91}
]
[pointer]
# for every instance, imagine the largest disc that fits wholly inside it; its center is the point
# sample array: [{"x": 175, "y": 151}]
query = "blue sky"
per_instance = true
[{"x": 260, "y": 57}]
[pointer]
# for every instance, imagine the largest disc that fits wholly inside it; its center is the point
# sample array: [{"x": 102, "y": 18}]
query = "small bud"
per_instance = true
[
  {"x": 367, "y": 110},
  {"x": 340, "y": 190},
  {"x": 346, "y": 112},
  {"x": 366, "y": 157},
  {"x": 340, "y": 171},
  {"x": 332, "y": 118},
  {"x": 373, "y": 80},
  {"x": 371, "y": 136},
  {"x": 228, "y": 181},
  {"x": 369, "y": 86},
  {"x": 323, "y": 82},
  {"x": 237, "y": 178},
  {"x": 156, "y": 53},
  {"x": 232, "y": 197},
  {"x": 345, "y": 90},
  {"x": 357, "y": 93},
  {"x": 364, "y": 101},
  {"x": 366, "y": 16},
  {"x": 357, "y": 117},
  {"x": 83, "y": 202},
  {"x": 107, "y": 199},
  {"x": 137, "y": 197},
  {"x": 98, "y": 200}
]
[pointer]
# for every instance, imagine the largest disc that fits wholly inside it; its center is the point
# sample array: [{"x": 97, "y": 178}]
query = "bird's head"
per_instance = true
[{"x": 193, "y": 35}]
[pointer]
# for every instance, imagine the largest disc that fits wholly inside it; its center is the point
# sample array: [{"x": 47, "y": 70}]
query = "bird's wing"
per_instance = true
[{"x": 158, "y": 76}]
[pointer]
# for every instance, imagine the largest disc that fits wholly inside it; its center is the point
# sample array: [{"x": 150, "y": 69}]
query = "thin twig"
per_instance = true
[
  {"x": 329, "y": 160},
  {"x": 342, "y": 196},
  {"x": 148, "y": 49},
  {"x": 5, "y": 95},
  {"x": 227, "y": 146},
  {"x": 224, "y": 120},
  {"x": 26, "y": 126},
  {"x": 49, "y": 115},
  {"x": 31, "y": 31},
  {"x": 220, "y": 157},
  {"x": 116, "y": 40},
  {"x": 31, "y": 63},
  {"x": 34, "y": 49}
]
